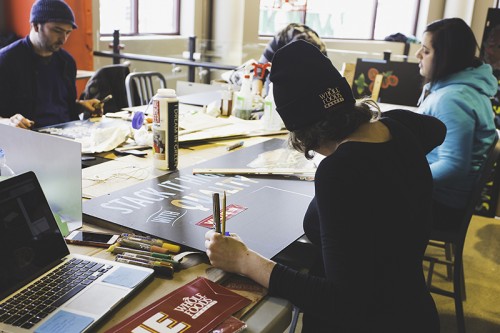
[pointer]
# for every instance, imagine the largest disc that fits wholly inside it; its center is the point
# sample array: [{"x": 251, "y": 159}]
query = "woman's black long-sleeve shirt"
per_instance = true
[{"x": 370, "y": 219}]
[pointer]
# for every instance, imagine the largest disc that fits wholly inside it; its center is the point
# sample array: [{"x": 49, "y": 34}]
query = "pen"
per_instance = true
[
  {"x": 105, "y": 99},
  {"x": 223, "y": 222},
  {"x": 163, "y": 270},
  {"x": 172, "y": 262},
  {"x": 141, "y": 246},
  {"x": 235, "y": 145},
  {"x": 152, "y": 241},
  {"x": 146, "y": 261},
  {"x": 169, "y": 262},
  {"x": 216, "y": 212},
  {"x": 120, "y": 249},
  {"x": 125, "y": 235}
]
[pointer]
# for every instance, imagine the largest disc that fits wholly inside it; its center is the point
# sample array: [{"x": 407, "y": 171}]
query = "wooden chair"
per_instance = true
[
  {"x": 141, "y": 87},
  {"x": 452, "y": 242}
]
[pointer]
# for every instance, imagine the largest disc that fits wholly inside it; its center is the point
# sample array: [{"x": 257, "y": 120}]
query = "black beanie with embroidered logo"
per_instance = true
[{"x": 306, "y": 85}]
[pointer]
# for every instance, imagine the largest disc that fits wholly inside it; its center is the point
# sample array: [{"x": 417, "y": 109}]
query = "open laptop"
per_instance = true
[{"x": 33, "y": 251}]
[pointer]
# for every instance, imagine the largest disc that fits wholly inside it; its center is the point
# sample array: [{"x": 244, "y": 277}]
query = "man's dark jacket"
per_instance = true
[{"x": 18, "y": 79}]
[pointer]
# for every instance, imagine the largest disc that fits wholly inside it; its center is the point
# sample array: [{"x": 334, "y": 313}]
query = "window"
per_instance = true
[
  {"x": 138, "y": 17},
  {"x": 353, "y": 19}
]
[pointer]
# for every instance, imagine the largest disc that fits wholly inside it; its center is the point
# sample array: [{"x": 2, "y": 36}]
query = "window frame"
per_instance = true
[
  {"x": 373, "y": 22},
  {"x": 135, "y": 22}
]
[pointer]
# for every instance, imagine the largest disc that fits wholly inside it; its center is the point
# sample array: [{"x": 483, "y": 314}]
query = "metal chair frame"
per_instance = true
[{"x": 140, "y": 87}]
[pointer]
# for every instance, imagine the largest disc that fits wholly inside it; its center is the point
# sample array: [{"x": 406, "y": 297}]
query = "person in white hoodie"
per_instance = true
[{"x": 457, "y": 91}]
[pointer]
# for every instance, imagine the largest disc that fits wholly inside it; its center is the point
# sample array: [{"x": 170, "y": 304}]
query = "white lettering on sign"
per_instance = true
[
  {"x": 197, "y": 200},
  {"x": 173, "y": 186},
  {"x": 160, "y": 323},
  {"x": 194, "y": 306},
  {"x": 164, "y": 216},
  {"x": 188, "y": 204}
]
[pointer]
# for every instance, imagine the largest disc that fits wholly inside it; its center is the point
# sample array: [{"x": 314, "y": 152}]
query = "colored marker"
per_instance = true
[
  {"x": 154, "y": 263},
  {"x": 101, "y": 103},
  {"x": 141, "y": 246},
  {"x": 147, "y": 261},
  {"x": 173, "y": 263},
  {"x": 216, "y": 212},
  {"x": 235, "y": 145},
  {"x": 163, "y": 270},
  {"x": 152, "y": 241},
  {"x": 223, "y": 222},
  {"x": 115, "y": 249}
]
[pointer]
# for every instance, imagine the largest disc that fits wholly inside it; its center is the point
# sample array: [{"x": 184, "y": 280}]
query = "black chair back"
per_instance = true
[{"x": 108, "y": 80}]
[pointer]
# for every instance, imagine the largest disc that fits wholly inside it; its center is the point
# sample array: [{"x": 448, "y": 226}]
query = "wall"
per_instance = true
[
  {"x": 479, "y": 17},
  {"x": 235, "y": 33},
  {"x": 235, "y": 39},
  {"x": 228, "y": 42},
  {"x": 193, "y": 21}
]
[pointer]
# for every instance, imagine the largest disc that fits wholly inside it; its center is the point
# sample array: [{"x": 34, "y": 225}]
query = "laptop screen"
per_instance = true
[{"x": 30, "y": 240}]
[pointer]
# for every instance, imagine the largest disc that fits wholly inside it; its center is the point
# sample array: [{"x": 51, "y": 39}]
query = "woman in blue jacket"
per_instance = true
[{"x": 457, "y": 90}]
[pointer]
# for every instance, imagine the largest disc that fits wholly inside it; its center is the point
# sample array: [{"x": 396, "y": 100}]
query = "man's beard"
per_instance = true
[{"x": 54, "y": 47}]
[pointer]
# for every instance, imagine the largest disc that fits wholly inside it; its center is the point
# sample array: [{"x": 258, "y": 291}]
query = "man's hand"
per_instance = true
[
  {"x": 94, "y": 106},
  {"x": 18, "y": 120}
]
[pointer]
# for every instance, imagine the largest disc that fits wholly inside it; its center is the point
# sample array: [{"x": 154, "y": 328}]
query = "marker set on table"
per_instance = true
[
  {"x": 154, "y": 253},
  {"x": 146, "y": 251}
]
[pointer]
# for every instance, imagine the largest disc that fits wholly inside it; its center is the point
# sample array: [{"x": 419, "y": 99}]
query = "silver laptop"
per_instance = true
[
  {"x": 44, "y": 288},
  {"x": 56, "y": 162}
]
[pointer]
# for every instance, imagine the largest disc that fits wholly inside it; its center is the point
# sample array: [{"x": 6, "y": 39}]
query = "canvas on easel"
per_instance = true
[{"x": 401, "y": 81}]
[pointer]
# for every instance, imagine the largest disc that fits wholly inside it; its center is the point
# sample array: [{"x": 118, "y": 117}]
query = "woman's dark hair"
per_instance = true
[
  {"x": 338, "y": 125},
  {"x": 454, "y": 47}
]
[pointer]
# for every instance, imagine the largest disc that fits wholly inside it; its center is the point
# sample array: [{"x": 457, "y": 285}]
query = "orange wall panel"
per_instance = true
[{"x": 17, "y": 13}]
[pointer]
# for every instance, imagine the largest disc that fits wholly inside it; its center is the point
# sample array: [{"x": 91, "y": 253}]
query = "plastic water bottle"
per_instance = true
[
  {"x": 165, "y": 129},
  {"x": 244, "y": 99},
  {"x": 5, "y": 170},
  {"x": 271, "y": 120},
  {"x": 226, "y": 102}
]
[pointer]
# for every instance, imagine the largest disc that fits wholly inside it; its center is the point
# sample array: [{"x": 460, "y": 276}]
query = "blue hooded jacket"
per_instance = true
[{"x": 462, "y": 103}]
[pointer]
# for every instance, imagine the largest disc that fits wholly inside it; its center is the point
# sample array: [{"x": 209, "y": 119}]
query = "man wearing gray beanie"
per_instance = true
[{"x": 37, "y": 76}]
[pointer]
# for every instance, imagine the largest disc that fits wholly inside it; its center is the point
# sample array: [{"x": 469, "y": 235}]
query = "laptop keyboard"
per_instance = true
[{"x": 41, "y": 298}]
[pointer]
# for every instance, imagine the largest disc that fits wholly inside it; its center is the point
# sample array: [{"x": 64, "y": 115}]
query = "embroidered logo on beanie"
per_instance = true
[{"x": 331, "y": 97}]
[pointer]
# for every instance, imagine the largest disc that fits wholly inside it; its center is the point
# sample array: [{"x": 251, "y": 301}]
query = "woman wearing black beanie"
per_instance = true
[{"x": 370, "y": 218}]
